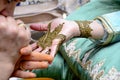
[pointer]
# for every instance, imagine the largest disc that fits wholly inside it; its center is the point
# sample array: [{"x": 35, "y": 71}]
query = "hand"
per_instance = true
[
  {"x": 69, "y": 29},
  {"x": 31, "y": 61},
  {"x": 13, "y": 37}
]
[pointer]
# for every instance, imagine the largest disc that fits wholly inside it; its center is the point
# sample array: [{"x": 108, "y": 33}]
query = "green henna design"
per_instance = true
[{"x": 46, "y": 40}]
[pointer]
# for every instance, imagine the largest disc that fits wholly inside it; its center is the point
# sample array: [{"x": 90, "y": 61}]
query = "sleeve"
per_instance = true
[{"x": 111, "y": 24}]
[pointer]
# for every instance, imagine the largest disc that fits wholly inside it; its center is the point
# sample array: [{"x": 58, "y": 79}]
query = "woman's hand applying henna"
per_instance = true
[
  {"x": 12, "y": 38},
  {"x": 30, "y": 61}
]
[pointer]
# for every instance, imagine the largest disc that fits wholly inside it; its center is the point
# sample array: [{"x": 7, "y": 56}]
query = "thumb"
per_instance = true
[
  {"x": 23, "y": 74},
  {"x": 39, "y": 27},
  {"x": 56, "y": 43},
  {"x": 28, "y": 49},
  {"x": 55, "y": 46}
]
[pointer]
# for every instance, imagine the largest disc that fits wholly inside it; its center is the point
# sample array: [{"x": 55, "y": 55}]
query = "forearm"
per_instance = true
[
  {"x": 84, "y": 29},
  {"x": 111, "y": 25},
  {"x": 104, "y": 30},
  {"x": 90, "y": 29},
  {"x": 98, "y": 31}
]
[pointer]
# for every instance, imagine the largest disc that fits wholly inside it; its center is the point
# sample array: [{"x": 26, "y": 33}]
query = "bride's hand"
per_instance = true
[{"x": 68, "y": 30}]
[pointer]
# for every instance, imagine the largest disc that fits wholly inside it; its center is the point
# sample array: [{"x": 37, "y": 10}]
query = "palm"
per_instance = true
[
  {"x": 68, "y": 29},
  {"x": 52, "y": 42}
]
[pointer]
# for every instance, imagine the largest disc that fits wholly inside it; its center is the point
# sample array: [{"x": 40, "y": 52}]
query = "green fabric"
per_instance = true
[
  {"x": 94, "y": 9},
  {"x": 101, "y": 59},
  {"x": 83, "y": 58},
  {"x": 111, "y": 24},
  {"x": 58, "y": 70}
]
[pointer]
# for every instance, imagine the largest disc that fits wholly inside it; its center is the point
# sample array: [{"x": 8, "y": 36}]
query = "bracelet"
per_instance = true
[{"x": 84, "y": 28}]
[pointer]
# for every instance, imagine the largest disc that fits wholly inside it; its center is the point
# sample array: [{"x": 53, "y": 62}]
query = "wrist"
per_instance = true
[
  {"x": 98, "y": 30},
  {"x": 76, "y": 29}
]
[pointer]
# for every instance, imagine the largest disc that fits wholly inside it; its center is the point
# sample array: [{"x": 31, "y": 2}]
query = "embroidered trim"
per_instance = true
[{"x": 108, "y": 29}]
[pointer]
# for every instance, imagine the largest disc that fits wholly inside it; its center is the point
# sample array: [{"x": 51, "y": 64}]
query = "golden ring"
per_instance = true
[{"x": 22, "y": 25}]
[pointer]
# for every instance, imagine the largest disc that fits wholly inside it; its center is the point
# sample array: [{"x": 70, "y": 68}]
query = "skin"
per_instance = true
[
  {"x": 13, "y": 38},
  {"x": 73, "y": 31}
]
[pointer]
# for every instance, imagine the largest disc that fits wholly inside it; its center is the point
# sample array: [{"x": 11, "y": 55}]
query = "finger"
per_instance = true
[
  {"x": 56, "y": 43},
  {"x": 2, "y": 20},
  {"x": 39, "y": 27},
  {"x": 21, "y": 24},
  {"x": 3, "y": 27},
  {"x": 27, "y": 50},
  {"x": 22, "y": 37},
  {"x": 28, "y": 33},
  {"x": 19, "y": 21},
  {"x": 3, "y": 24},
  {"x": 47, "y": 50},
  {"x": 12, "y": 27},
  {"x": 55, "y": 46},
  {"x": 38, "y": 49},
  {"x": 24, "y": 32},
  {"x": 23, "y": 74},
  {"x": 29, "y": 65},
  {"x": 36, "y": 56}
]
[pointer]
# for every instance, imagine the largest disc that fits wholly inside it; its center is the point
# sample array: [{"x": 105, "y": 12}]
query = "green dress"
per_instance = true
[{"x": 84, "y": 59}]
